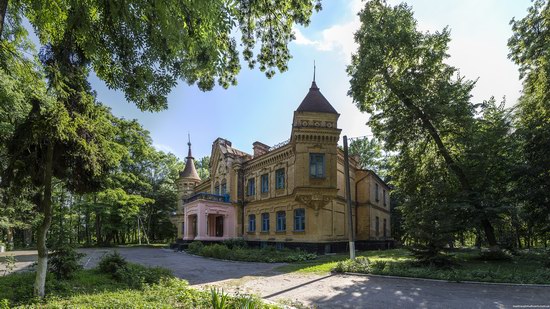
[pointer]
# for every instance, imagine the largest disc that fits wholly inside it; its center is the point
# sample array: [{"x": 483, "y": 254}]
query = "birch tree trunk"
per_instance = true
[{"x": 46, "y": 208}]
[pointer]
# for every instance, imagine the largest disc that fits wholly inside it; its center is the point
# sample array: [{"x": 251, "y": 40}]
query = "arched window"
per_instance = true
[
  {"x": 223, "y": 187},
  {"x": 217, "y": 188}
]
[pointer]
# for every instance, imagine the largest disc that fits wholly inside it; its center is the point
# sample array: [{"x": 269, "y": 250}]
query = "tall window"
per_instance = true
[
  {"x": 280, "y": 178},
  {"x": 217, "y": 188},
  {"x": 384, "y": 226},
  {"x": 251, "y": 187},
  {"x": 384, "y": 197},
  {"x": 265, "y": 222},
  {"x": 377, "y": 225},
  {"x": 223, "y": 189},
  {"x": 281, "y": 221},
  {"x": 299, "y": 219},
  {"x": 265, "y": 183},
  {"x": 252, "y": 223},
  {"x": 317, "y": 165},
  {"x": 376, "y": 198}
]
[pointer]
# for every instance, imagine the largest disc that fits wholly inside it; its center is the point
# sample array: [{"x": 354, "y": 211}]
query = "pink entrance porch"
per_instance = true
[{"x": 209, "y": 220}]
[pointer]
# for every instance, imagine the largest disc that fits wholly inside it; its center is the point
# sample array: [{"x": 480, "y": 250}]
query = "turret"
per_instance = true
[
  {"x": 189, "y": 177},
  {"x": 315, "y": 138}
]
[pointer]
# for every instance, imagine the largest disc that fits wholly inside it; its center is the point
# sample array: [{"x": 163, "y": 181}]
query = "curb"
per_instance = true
[{"x": 448, "y": 281}]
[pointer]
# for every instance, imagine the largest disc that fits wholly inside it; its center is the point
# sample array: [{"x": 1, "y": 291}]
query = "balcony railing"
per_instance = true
[{"x": 208, "y": 197}]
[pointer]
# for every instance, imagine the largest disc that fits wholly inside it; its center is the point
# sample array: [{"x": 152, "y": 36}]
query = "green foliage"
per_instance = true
[
  {"x": 526, "y": 267},
  {"x": 8, "y": 262},
  {"x": 241, "y": 253},
  {"x": 529, "y": 47},
  {"x": 235, "y": 243},
  {"x": 195, "y": 247},
  {"x": 219, "y": 299},
  {"x": 145, "y": 49},
  {"x": 138, "y": 276},
  {"x": 501, "y": 255},
  {"x": 92, "y": 289},
  {"x": 359, "y": 265},
  {"x": 65, "y": 261},
  {"x": 132, "y": 275},
  {"x": 218, "y": 251},
  {"x": 112, "y": 263},
  {"x": 370, "y": 155}
]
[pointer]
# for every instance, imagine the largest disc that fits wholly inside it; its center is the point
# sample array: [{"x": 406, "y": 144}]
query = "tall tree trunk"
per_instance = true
[
  {"x": 449, "y": 160},
  {"x": 46, "y": 208},
  {"x": 99, "y": 240},
  {"x": 3, "y": 13},
  {"x": 10, "y": 238},
  {"x": 87, "y": 226}
]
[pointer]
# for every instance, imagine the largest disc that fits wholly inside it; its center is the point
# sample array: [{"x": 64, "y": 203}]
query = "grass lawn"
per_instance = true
[
  {"x": 93, "y": 289},
  {"x": 525, "y": 268}
]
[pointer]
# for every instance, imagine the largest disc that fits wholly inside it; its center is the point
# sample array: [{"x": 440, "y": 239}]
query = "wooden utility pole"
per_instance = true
[{"x": 351, "y": 233}]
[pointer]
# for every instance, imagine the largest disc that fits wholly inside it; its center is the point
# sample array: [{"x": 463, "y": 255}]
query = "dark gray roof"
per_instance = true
[
  {"x": 189, "y": 171},
  {"x": 315, "y": 102}
]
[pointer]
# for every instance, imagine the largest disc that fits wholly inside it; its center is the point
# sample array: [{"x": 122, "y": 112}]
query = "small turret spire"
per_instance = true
[
  {"x": 189, "y": 144},
  {"x": 189, "y": 171},
  {"x": 313, "y": 70}
]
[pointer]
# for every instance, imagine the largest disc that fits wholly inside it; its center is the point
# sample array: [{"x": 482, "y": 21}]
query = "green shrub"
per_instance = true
[
  {"x": 218, "y": 299},
  {"x": 9, "y": 263},
  {"x": 360, "y": 265},
  {"x": 498, "y": 255},
  {"x": 111, "y": 263},
  {"x": 65, "y": 261},
  {"x": 4, "y": 304},
  {"x": 137, "y": 276},
  {"x": 235, "y": 243},
  {"x": 379, "y": 266},
  {"x": 195, "y": 247},
  {"x": 216, "y": 251}
]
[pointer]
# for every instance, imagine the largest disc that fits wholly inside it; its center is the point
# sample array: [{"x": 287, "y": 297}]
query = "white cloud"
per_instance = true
[
  {"x": 164, "y": 148},
  {"x": 338, "y": 37}
]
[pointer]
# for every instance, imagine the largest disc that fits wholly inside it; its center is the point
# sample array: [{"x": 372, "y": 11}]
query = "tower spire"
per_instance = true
[
  {"x": 189, "y": 144},
  {"x": 189, "y": 171},
  {"x": 313, "y": 70}
]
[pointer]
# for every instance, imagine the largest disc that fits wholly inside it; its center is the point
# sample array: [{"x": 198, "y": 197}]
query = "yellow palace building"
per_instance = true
[{"x": 289, "y": 195}]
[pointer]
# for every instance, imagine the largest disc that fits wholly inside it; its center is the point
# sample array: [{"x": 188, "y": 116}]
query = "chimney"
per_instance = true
[{"x": 259, "y": 148}]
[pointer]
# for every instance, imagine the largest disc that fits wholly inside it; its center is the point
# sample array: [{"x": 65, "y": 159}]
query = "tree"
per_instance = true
[
  {"x": 144, "y": 48},
  {"x": 370, "y": 155},
  {"x": 398, "y": 75},
  {"x": 530, "y": 49},
  {"x": 203, "y": 167}
]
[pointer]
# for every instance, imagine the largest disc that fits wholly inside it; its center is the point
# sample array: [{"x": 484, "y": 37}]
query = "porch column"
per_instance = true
[
  {"x": 201, "y": 221},
  {"x": 225, "y": 226}
]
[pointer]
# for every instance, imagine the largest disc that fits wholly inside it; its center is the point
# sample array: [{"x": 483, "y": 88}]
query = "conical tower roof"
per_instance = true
[
  {"x": 189, "y": 171},
  {"x": 314, "y": 101}
]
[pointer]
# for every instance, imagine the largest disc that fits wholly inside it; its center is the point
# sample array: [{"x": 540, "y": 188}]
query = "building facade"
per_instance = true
[{"x": 289, "y": 195}]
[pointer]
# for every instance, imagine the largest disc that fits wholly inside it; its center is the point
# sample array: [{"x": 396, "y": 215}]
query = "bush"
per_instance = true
[
  {"x": 9, "y": 263},
  {"x": 216, "y": 251},
  {"x": 235, "y": 243},
  {"x": 195, "y": 247},
  {"x": 499, "y": 255},
  {"x": 267, "y": 255},
  {"x": 359, "y": 265},
  {"x": 379, "y": 266},
  {"x": 111, "y": 263},
  {"x": 137, "y": 276},
  {"x": 65, "y": 261}
]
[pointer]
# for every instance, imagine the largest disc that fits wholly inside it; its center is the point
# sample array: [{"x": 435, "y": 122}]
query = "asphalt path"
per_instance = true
[{"x": 322, "y": 291}]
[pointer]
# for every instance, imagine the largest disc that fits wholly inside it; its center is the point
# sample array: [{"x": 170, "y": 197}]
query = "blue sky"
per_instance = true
[{"x": 261, "y": 109}]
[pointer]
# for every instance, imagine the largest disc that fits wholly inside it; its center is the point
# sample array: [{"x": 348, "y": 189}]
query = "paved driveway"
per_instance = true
[
  {"x": 196, "y": 270},
  {"x": 328, "y": 291}
]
